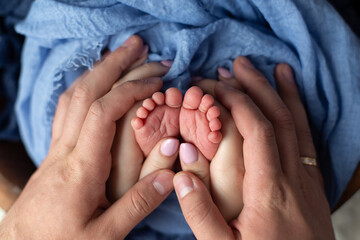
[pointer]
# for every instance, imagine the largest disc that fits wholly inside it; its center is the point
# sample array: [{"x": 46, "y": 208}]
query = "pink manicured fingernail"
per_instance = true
[
  {"x": 169, "y": 147},
  {"x": 183, "y": 185},
  {"x": 288, "y": 73},
  {"x": 188, "y": 153},
  {"x": 224, "y": 72},
  {"x": 163, "y": 183},
  {"x": 128, "y": 42},
  {"x": 246, "y": 63},
  {"x": 196, "y": 78},
  {"x": 167, "y": 63},
  {"x": 144, "y": 51}
]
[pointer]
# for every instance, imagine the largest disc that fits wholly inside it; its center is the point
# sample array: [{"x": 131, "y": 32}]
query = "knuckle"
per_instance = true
[
  {"x": 240, "y": 99},
  {"x": 283, "y": 118},
  {"x": 81, "y": 93},
  {"x": 278, "y": 198},
  {"x": 265, "y": 131},
  {"x": 140, "y": 205},
  {"x": 130, "y": 85},
  {"x": 305, "y": 135},
  {"x": 261, "y": 80},
  {"x": 199, "y": 213},
  {"x": 113, "y": 60},
  {"x": 70, "y": 172},
  {"x": 97, "y": 109}
]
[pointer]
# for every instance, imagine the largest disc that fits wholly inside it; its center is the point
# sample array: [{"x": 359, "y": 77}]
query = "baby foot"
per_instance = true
[
  {"x": 199, "y": 123},
  {"x": 157, "y": 118}
]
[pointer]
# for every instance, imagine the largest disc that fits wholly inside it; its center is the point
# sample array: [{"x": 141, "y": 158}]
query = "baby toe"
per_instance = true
[
  {"x": 173, "y": 97},
  {"x": 193, "y": 98},
  {"x": 149, "y": 104},
  {"x": 137, "y": 123},
  {"x": 206, "y": 102},
  {"x": 213, "y": 112},
  {"x": 215, "y": 124},
  {"x": 158, "y": 98},
  {"x": 215, "y": 137},
  {"x": 142, "y": 112}
]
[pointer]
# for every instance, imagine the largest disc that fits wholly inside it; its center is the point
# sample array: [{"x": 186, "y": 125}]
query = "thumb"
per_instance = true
[
  {"x": 137, "y": 203},
  {"x": 200, "y": 212}
]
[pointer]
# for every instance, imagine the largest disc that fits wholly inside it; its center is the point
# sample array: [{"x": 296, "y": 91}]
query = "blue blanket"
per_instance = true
[{"x": 64, "y": 38}]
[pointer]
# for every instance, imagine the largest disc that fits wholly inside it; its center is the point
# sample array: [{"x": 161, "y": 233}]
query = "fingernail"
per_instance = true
[
  {"x": 128, "y": 42},
  {"x": 144, "y": 51},
  {"x": 169, "y": 147},
  {"x": 224, "y": 72},
  {"x": 288, "y": 73},
  {"x": 196, "y": 78},
  {"x": 188, "y": 153},
  {"x": 183, "y": 185},
  {"x": 163, "y": 182},
  {"x": 226, "y": 86},
  {"x": 167, "y": 63},
  {"x": 246, "y": 63}
]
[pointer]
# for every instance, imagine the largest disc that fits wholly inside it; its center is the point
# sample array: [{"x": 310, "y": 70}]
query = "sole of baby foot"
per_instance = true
[
  {"x": 158, "y": 117},
  {"x": 199, "y": 122}
]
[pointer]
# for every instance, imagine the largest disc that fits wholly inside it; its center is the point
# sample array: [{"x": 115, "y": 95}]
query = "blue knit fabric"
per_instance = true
[{"x": 64, "y": 38}]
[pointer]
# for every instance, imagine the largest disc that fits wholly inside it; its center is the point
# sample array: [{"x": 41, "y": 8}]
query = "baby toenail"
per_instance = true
[
  {"x": 188, "y": 153},
  {"x": 169, "y": 147}
]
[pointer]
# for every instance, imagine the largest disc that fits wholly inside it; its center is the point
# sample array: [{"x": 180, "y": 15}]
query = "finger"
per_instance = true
[
  {"x": 152, "y": 69},
  {"x": 199, "y": 210},
  {"x": 261, "y": 158},
  {"x": 226, "y": 76},
  {"x": 96, "y": 84},
  {"x": 290, "y": 95},
  {"x": 163, "y": 156},
  {"x": 193, "y": 161},
  {"x": 98, "y": 131},
  {"x": 127, "y": 158},
  {"x": 270, "y": 103},
  {"x": 227, "y": 167},
  {"x": 207, "y": 85},
  {"x": 141, "y": 60},
  {"x": 134, "y": 206},
  {"x": 64, "y": 102}
]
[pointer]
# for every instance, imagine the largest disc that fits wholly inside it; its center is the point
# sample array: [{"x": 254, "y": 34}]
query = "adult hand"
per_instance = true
[
  {"x": 65, "y": 198},
  {"x": 283, "y": 199},
  {"x": 128, "y": 165}
]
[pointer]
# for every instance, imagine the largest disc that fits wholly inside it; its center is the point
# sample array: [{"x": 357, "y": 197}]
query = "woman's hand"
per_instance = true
[
  {"x": 283, "y": 198},
  {"x": 65, "y": 198},
  {"x": 128, "y": 165}
]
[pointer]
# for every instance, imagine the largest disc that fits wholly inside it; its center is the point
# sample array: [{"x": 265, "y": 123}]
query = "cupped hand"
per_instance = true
[
  {"x": 129, "y": 164},
  {"x": 283, "y": 199},
  {"x": 65, "y": 198}
]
